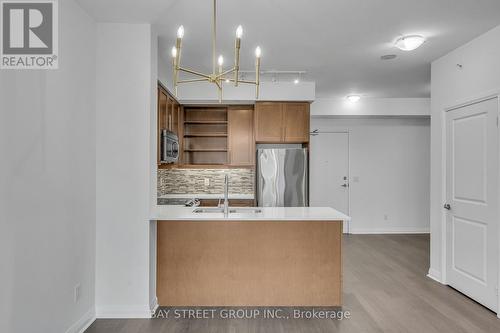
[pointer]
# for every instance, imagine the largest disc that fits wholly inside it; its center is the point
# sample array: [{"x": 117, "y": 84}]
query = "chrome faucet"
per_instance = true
[{"x": 226, "y": 195}]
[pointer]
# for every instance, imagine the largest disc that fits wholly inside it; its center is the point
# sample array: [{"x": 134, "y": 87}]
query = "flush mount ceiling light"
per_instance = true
[
  {"x": 218, "y": 75},
  {"x": 410, "y": 42},
  {"x": 353, "y": 98}
]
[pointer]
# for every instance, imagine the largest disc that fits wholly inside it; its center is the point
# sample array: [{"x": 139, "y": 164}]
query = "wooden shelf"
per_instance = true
[
  {"x": 206, "y": 135},
  {"x": 205, "y": 150},
  {"x": 205, "y": 122}
]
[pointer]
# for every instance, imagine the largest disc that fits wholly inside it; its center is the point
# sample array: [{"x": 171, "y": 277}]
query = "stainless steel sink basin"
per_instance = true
[
  {"x": 232, "y": 210},
  {"x": 245, "y": 210},
  {"x": 209, "y": 210}
]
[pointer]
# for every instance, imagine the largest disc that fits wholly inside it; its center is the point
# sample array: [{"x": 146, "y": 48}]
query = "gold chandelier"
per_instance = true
[{"x": 218, "y": 75}]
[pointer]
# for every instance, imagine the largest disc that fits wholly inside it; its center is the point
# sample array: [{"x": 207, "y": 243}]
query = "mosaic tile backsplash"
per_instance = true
[{"x": 192, "y": 181}]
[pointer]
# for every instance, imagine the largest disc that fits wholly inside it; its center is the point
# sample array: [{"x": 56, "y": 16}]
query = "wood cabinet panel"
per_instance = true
[
  {"x": 268, "y": 122},
  {"x": 169, "y": 116},
  {"x": 296, "y": 122},
  {"x": 245, "y": 263},
  {"x": 283, "y": 122},
  {"x": 240, "y": 136}
]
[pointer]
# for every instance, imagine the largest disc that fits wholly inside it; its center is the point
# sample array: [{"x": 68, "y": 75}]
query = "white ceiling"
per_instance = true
[{"x": 338, "y": 42}]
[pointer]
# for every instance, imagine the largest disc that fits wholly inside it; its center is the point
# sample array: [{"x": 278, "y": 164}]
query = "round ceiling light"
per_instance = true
[
  {"x": 353, "y": 98},
  {"x": 409, "y": 43}
]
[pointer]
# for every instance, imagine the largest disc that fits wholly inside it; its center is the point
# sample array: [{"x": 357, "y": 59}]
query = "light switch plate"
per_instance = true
[{"x": 207, "y": 181}]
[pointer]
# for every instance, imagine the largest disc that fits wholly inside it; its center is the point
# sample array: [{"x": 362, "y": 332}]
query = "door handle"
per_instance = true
[
  {"x": 447, "y": 206},
  {"x": 345, "y": 185}
]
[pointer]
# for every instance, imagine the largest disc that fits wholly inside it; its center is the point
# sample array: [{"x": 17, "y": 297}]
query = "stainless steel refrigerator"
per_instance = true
[{"x": 282, "y": 177}]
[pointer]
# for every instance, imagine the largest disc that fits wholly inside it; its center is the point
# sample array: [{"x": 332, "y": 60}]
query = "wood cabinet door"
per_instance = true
[
  {"x": 175, "y": 118},
  {"x": 241, "y": 141},
  {"x": 296, "y": 122},
  {"x": 269, "y": 122},
  {"x": 170, "y": 113},
  {"x": 161, "y": 121}
]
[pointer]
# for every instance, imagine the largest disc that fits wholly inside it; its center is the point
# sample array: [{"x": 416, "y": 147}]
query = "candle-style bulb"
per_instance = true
[
  {"x": 220, "y": 60},
  {"x": 180, "y": 32},
  {"x": 239, "y": 32},
  {"x": 258, "y": 52},
  {"x": 174, "y": 52}
]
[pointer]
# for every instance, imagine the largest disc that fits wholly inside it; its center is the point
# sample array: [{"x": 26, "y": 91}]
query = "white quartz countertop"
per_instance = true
[
  {"x": 176, "y": 213},
  {"x": 207, "y": 196}
]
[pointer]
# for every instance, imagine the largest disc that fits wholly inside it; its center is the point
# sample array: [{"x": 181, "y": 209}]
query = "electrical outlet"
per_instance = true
[
  {"x": 207, "y": 181},
  {"x": 77, "y": 293}
]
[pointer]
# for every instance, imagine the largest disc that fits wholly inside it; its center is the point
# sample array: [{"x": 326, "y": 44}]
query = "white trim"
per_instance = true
[
  {"x": 83, "y": 323},
  {"x": 119, "y": 311},
  {"x": 485, "y": 96},
  {"x": 346, "y": 131},
  {"x": 434, "y": 275},
  {"x": 153, "y": 305},
  {"x": 493, "y": 93},
  {"x": 349, "y": 222},
  {"x": 395, "y": 231}
]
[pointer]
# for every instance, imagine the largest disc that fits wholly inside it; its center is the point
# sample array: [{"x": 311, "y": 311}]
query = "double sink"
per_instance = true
[
  {"x": 225, "y": 209},
  {"x": 232, "y": 210}
]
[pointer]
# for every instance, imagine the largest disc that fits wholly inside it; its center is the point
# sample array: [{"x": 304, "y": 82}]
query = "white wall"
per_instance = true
[
  {"x": 153, "y": 301},
  {"x": 479, "y": 76},
  {"x": 47, "y": 186},
  {"x": 123, "y": 169},
  {"x": 371, "y": 107},
  {"x": 390, "y": 157},
  {"x": 202, "y": 93}
]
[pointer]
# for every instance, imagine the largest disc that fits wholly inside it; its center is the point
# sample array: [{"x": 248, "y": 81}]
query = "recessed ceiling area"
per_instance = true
[{"x": 338, "y": 43}]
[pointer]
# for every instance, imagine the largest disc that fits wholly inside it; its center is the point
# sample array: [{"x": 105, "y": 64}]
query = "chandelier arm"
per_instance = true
[
  {"x": 193, "y": 72},
  {"x": 192, "y": 80},
  {"x": 225, "y": 72},
  {"x": 236, "y": 60},
  {"x": 214, "y": 36}
]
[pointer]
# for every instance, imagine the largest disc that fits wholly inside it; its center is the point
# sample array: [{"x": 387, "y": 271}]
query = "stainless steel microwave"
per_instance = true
[{"x": 169, "y": 147}]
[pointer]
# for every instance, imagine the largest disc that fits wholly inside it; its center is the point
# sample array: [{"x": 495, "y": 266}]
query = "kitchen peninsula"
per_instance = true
[{"x": 259, "y": 256}]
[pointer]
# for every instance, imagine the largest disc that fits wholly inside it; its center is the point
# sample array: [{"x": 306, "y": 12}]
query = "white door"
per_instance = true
[
  {"x": 471, "y": 207},
  {"x": 329, "y": 172}
]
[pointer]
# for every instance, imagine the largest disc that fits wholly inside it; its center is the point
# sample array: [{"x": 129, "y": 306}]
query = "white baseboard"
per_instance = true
[
  {"x": 389, "y": 231},
  {"x": 435, "y": 275},
  {"x": 119, "y": 311},
  {"x": 83, "y": 323}
]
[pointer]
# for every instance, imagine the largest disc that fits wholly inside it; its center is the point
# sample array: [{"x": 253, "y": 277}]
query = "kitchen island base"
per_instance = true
[{"x": 249, "y": 263}]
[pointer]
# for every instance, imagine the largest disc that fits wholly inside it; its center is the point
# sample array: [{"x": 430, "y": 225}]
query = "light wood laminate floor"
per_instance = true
[{"x": 385, "y": 290}]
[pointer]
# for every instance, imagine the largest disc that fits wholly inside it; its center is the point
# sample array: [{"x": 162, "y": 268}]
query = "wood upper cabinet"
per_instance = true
[
  {"x": 269, "y": 122},
  {"x": 282, "y": 122},
  {"x": 241, "y": 141},
  {"x": 168, "y": 117},
  {"x": 296, "y": 122}
]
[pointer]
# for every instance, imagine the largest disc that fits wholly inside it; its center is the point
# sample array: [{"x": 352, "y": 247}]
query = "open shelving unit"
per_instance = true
[{"x": 205, "y": 136}]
